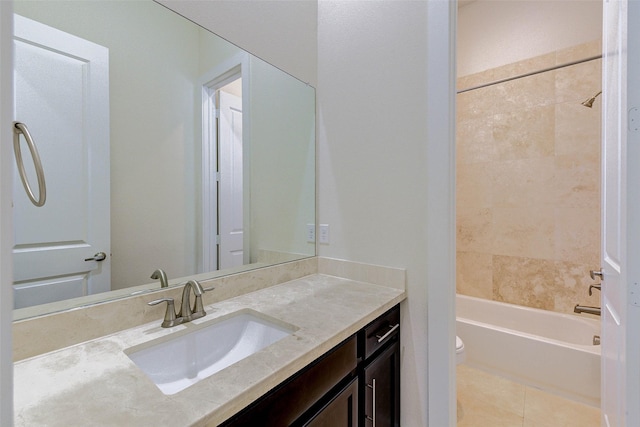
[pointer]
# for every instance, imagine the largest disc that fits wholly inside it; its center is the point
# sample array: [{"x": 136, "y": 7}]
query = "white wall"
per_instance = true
[
  {"x": 374, "y": 171},
  {"x": 492, "y": 33},
  {"x": 282, "y": 161},
  {"x": 282, "y": 32}
]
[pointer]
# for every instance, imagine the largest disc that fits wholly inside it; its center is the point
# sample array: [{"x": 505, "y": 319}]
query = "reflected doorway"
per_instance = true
[{"x": 223, "y": 172}]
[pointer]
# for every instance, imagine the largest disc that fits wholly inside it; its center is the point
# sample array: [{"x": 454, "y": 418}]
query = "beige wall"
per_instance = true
[
  {"x": 528, "y": 183},
  {"x": 492, "y": 33}
]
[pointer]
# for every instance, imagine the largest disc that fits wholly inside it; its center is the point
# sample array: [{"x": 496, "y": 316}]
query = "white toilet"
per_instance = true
[{"x": 459, "y": 351}]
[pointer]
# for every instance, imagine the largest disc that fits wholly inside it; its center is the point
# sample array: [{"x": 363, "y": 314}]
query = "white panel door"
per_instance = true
[
  {"x": 62, "y": 95},
  {"x": 621, "y": 216},
  {"x": 230, "y": 217}
]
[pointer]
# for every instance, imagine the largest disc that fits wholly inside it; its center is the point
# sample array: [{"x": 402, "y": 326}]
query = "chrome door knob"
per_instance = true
[
  {"x": 100, "y": 256},
  {"x": 594, "y": 273}
]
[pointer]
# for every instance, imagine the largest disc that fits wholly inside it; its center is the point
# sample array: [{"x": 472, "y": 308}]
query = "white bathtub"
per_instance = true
[{"x": 547, "y": 350}]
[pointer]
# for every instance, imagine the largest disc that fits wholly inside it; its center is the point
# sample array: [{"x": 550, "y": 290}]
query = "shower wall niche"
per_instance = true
[{"x": 528, "y": 182}]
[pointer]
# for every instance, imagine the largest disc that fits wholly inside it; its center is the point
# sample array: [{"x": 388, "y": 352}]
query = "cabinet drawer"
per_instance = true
[
  {"x": 381, "y": 331},
  {"x": 288, "y": 401}
]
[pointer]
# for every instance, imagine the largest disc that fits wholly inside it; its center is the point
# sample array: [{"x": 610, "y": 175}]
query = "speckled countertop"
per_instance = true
[{"x": 94, "y": 383}]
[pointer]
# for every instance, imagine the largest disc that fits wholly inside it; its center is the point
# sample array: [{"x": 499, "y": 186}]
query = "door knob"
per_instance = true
[
  {"x": 594, "y": 273},
  {"x": 100, "y": 256}
]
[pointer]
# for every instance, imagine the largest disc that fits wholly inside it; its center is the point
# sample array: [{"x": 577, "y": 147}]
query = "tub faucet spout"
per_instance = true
[{"x": 587, "y": 309}]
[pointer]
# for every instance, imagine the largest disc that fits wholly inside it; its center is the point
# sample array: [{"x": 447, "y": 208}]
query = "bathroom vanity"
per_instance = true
[
  {"x": 357, "y": 383},
  {"x": 341, "y": 356}
]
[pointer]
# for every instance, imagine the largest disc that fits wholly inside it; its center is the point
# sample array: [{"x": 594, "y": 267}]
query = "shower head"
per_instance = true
[{"x": 589, "y": 102}]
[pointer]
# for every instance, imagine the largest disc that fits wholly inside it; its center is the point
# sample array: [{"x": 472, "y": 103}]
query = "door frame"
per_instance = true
[
  {"x": 6, "y": 222},
  {"x": 633, "y": 229},
  {"x": 630, "y": 277},
  {"x": 219, "y": 76},
  {"x": 440, "y": 222}
]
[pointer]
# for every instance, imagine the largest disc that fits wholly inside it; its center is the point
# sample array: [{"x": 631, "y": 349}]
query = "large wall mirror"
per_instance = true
[{"x": 163, "y": 147}]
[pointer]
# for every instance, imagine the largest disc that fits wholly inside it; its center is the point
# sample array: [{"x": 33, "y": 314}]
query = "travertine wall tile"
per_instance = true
[
  {"x": 524, "y": 281},
  {"x": 528, "y": 182},
  {"x": 474, "y": 274},
  {"x": 577, "y": 182},
  {"x": 577, "y": 236},
  {"x": 474, "y": 141},
  {"x": 475, "y": 185},
  {"x": 523, "y": 183},
  {"x": 577, "y": 129},
  {"x": 524, "y": 134},
  {"x": 474, "y": 230},
  {"x": 578, "y": 82}
]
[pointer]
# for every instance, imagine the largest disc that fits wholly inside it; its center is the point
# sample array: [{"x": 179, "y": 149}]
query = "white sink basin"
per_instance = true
[{"x": 180, "y": 360}]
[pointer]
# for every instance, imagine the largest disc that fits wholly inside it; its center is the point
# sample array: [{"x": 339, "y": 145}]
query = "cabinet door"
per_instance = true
[
  {"x": 342, "y": 411},
  {"x": 381, "y": 389},
  {"x": 298, "y": 395}
]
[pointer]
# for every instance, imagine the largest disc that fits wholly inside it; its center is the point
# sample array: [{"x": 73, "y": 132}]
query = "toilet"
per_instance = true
[{"x": 459, "y": 351}]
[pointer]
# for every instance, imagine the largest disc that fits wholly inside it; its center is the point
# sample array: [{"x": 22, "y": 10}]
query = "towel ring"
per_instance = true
[{"x": 21, "y": 128}]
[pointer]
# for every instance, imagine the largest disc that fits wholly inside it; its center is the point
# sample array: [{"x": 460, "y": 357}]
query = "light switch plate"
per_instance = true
[
  {"x": 324, "y": 233},
  {"x": 311, "y": 233}
]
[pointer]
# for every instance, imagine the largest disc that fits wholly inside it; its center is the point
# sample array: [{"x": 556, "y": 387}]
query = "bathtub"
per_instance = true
[{"x": 543, "y": 349}]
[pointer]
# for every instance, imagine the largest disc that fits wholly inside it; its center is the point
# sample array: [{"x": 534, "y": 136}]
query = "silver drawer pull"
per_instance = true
[
  {"x": 389, "y": 332},
  {"x": 373, "y": 398}
]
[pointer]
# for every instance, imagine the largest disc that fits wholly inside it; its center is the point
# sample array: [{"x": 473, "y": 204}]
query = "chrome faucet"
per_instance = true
[
  {"x": 160, "y": 274},
  {"x": 587, "y": 309},
  {"x": 187, "y": 312}
]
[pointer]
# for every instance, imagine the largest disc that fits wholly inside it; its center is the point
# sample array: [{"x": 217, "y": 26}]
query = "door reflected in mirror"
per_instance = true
[{"x": 163, "y": 146}]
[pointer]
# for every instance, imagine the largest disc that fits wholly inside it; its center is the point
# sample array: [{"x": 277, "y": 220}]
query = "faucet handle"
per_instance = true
[
  {"x": 170, "y": 314},
  {"x": 592, "y": 287},
  {"x": 598, "y": 273},
  {"x": 198, "y": 305}
]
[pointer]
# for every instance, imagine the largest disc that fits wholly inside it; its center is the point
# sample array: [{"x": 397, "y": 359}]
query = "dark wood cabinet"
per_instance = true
[
  {"x": 381, "y": 388},
  {"x": 288, "y": 403},
  {"x": 380, "y": 371},
  {"x": 341, "y": 411},
  {"x": 348, "y": 386}
]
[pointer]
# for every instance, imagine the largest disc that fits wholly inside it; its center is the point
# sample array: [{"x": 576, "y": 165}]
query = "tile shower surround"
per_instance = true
[{"x": 528, "y": 182}]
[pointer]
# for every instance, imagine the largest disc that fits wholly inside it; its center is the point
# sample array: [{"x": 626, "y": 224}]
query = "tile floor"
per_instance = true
[{"x": 485, "y": 400}]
